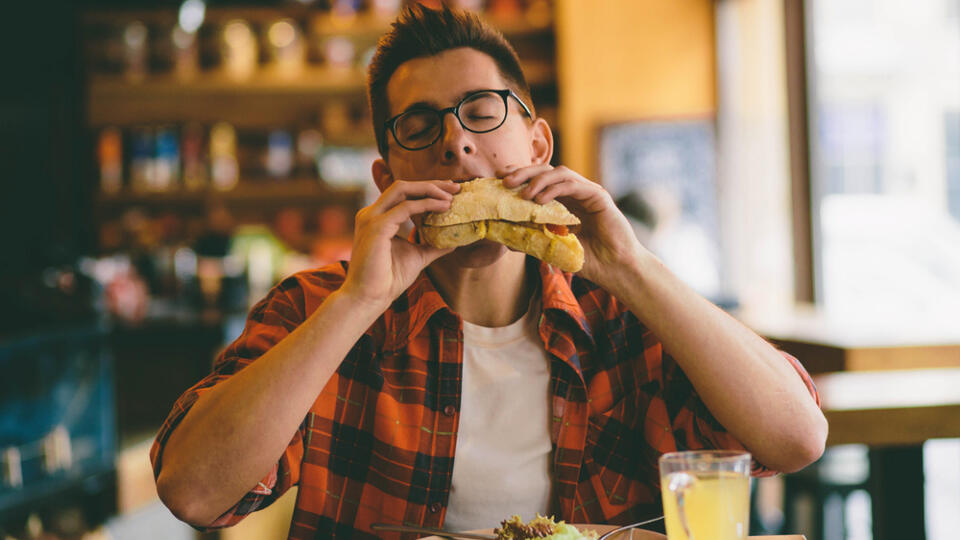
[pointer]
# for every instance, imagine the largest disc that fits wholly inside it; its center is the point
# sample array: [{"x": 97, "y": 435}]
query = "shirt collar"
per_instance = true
[
  {"x": 558, "y": 295},
  {"x": 411, "y": 311}
]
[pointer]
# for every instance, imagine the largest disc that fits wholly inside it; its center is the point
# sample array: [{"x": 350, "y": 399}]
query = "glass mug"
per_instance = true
[{"x": 706, "y": 494}]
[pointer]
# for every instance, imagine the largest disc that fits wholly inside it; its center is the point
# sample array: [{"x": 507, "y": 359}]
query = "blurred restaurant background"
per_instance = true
[{"x": 165, "y": 162}]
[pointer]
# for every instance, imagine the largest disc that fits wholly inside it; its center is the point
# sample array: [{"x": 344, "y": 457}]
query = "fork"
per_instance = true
[
  {"x": 626, "y": 527},
  {"x": 430, "y": 530},
  {"x": 447, "y": 534}
]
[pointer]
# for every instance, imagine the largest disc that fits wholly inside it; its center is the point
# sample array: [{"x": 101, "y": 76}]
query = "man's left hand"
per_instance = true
[{"x": 608, "y": 240}]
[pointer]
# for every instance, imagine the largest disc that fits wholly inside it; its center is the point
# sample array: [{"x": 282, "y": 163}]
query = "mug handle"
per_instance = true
[{"x": 679, "y": 484}]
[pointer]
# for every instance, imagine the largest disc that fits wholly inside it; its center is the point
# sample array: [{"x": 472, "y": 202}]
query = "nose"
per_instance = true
[{"x": 455, "y": 140}]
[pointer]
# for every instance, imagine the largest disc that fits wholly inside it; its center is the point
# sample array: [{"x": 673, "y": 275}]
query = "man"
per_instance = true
[{"x": 456, "y": 387}]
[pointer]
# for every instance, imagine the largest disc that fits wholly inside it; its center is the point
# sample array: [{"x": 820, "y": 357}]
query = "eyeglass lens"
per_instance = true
[{"x": 480, "y": 112}]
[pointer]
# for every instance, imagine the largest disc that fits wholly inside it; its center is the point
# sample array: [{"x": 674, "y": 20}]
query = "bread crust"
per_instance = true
[
  {"x": 454, "y": 235},
  {"x": 563, "y": 251},
  {"x": 484, "y": 208},
  {"x": 487, "y": 199}
]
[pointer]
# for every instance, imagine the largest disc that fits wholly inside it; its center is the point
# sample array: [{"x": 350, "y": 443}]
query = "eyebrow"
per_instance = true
[{"x": 433, "y": 105}]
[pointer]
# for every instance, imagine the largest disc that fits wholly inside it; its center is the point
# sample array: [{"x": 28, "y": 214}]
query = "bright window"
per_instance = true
[{"x": 884, "y": 80}]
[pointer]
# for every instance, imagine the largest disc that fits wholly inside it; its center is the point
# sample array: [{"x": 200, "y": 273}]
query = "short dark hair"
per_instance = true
[{"x": 420, "y": 32}]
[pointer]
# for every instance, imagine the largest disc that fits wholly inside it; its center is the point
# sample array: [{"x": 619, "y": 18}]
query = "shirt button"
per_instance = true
[
  {"x": 435, "y": 507},
  {"x": 449, "y": 410}
]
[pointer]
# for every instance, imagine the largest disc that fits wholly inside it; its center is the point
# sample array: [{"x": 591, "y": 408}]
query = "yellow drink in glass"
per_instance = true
[
  {"x": 706, "y": 495},
  {"x": 716, "y": 507}
]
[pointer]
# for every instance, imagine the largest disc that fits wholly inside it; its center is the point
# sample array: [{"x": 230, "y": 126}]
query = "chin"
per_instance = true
[{"x": 478, "y": 254}]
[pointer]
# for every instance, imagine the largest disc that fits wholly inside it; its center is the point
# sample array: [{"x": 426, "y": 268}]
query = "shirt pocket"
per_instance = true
[{"x": 613, "y": 458}]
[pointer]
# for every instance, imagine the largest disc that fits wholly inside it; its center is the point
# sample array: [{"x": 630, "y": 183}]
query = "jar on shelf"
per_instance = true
[
  {"x": 286, "y": 47},
  {"x": 185, "y": 53},
  {"x": 136, "y": 53},
  {"x": 238, "y": 49},
  {"x": 224, "y": 169}
]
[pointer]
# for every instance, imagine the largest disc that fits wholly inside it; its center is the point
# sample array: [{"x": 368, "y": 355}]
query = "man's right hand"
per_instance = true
[
  {"x": 383, "y": 265},
  {"x": 235, "y": 431}
]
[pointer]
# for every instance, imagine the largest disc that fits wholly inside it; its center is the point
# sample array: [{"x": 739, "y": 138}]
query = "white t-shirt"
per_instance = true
[{"x": 503, "y": 455}]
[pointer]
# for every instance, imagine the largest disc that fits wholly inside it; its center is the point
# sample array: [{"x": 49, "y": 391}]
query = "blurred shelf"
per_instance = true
[
  {"x": 212, "y": 15},
  {"x": 296, "y": 192},
  {"x": 267, "y": 99},
  {"x": 364, "y": 26}
]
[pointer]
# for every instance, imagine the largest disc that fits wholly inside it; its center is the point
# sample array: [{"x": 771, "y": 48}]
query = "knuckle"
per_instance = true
[{"x": 396, "y": 186}]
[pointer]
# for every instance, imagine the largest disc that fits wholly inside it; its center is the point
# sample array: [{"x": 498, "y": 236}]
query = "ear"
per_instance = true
[
  {"x": 541, "y": 142},
  {"x": 381, "y": 174}
]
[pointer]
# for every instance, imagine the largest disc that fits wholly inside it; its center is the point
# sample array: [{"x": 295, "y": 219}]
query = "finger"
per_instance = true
[
  {"x": 524, "y": 174},
  {"x": 415, "y": 189},
  {"x": 559, "y": 189},
  {"x": 542, "y": 181},
  {"x": 585, "y": 195},
  {"x": 506, "y": 170},
  {"x": 418, "y": 189},
  {"x": 412, "y": 207}
]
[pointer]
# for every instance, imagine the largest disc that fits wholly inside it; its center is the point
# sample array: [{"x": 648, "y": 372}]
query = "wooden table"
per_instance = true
[
  {"x": 891, "y": 408},
  {"x": 889, "y": 386},
  {"x": 640, "y": 534},
  {"x": 829, "y": 345}
]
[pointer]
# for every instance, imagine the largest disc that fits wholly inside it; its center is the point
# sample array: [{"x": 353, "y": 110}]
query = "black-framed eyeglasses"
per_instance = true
[{"x": 479, "y": 112}]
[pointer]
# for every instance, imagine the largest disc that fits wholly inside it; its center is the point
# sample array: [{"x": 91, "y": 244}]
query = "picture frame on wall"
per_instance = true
[{"x": 662, "y": 174}]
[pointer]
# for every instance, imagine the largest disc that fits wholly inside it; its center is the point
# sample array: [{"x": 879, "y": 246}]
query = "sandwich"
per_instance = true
[{"x": 485, "y": 209}]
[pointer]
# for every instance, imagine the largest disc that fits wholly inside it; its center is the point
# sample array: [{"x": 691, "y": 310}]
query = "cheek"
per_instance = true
[
  {"x": 511, "y": 154},
  {"x": 411, "y": 166}
]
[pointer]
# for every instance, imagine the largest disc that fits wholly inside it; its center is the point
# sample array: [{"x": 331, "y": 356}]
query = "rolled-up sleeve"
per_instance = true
[
  {"x": 270, "y": 320},
  {"x": 688, "y": 423}
]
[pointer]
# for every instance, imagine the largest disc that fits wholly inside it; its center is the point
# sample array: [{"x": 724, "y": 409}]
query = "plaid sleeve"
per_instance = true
[
  {"x": 268, "y": 322},
  {"x": 691, "y": 425}
]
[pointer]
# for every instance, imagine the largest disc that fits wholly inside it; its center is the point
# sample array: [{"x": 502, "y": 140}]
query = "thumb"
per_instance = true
[{"x": 430, "y": 253}]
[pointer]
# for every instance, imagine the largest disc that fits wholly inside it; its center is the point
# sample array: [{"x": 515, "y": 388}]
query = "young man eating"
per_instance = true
[{"x": 457, "y": 387}]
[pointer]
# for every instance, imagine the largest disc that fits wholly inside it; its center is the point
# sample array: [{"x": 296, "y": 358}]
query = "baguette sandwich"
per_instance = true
[{"x": 485, "y": 209}]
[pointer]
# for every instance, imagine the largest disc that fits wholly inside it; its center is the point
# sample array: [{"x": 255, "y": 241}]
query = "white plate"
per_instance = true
[{"x": 632, "y": 534}]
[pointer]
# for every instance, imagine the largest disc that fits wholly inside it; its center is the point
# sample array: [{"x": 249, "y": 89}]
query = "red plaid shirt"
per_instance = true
[{"x": 378, "y": 443}]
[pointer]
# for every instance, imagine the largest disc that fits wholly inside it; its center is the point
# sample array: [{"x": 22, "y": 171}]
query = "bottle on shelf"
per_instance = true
[
  {"x": 110, "y": 160},
  {"x": 142, "y": 159},
  {"x": 309, "y": 143},
  {"x": 224, "y": 169},
  {"x": 166, "y": 160},
  {"x": 279, "y": 158},
  {"x": 194, "y": 164}
]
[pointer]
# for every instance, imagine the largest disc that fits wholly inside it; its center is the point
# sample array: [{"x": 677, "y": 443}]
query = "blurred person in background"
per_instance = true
[
  {"x": 454, "y": 388},
  {"x": 656, "y": 215}
]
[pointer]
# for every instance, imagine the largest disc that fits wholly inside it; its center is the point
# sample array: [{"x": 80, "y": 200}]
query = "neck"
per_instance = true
[{"x": 493, "y": 295}]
